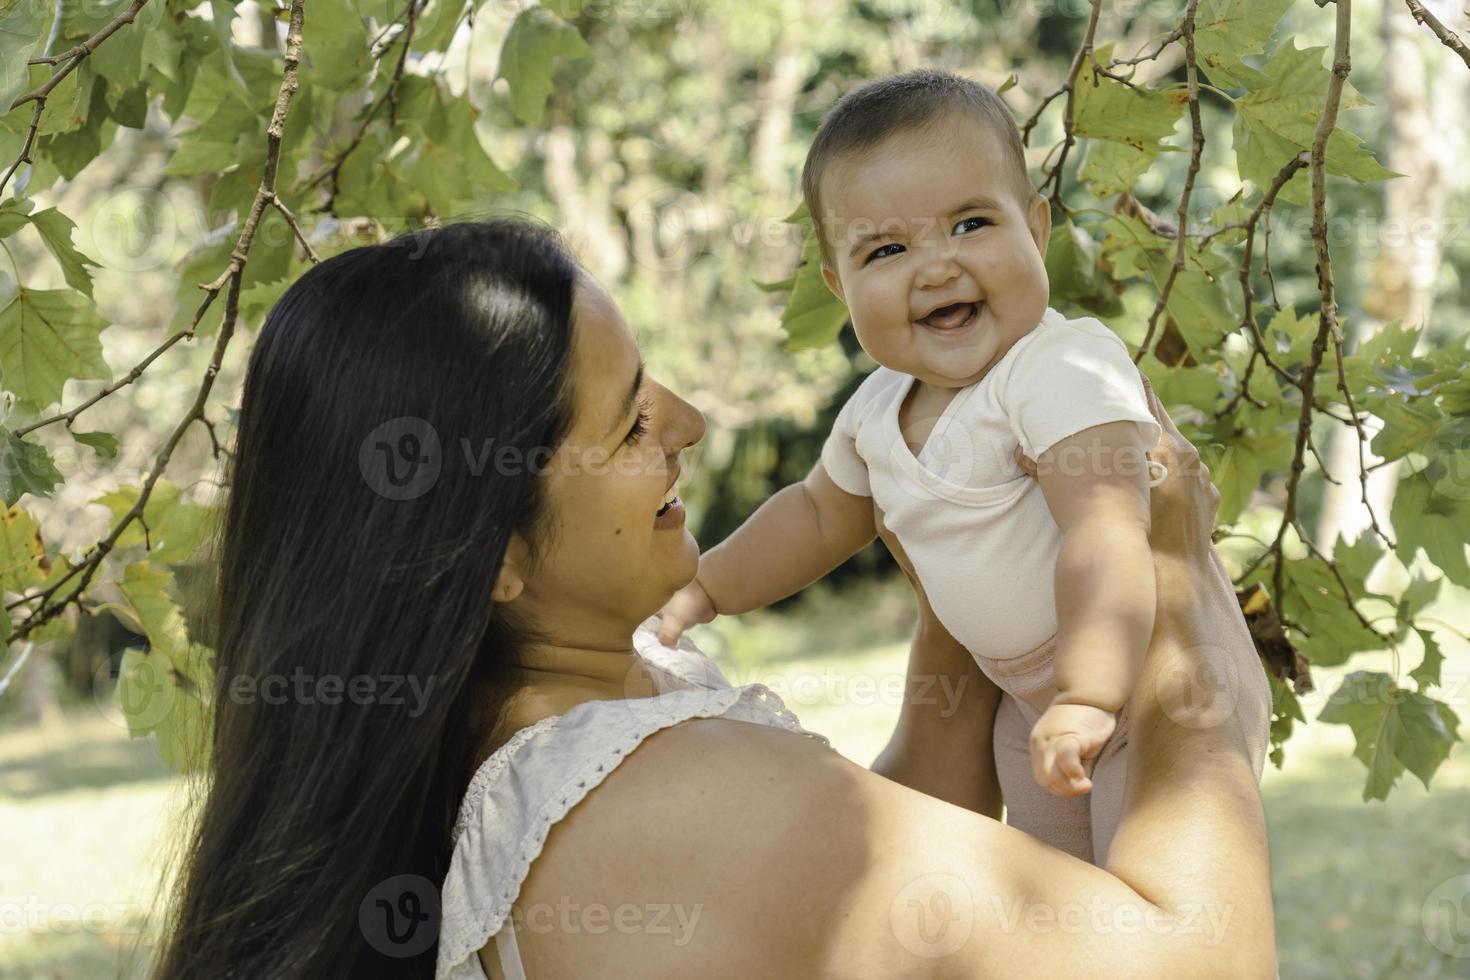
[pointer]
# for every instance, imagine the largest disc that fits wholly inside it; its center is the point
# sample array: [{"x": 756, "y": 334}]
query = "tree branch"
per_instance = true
[
  {"x": 49, "y": 607},
  {"x": 1197, "y": 146},
  {"x": 1446, "y": 36},
  {"x": 1327, "y": 319}
]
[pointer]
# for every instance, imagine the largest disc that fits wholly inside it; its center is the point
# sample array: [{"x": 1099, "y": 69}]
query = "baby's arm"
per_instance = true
[
  {"x": 800, "y": 534},
  {"x": 1096, "y": 484}
]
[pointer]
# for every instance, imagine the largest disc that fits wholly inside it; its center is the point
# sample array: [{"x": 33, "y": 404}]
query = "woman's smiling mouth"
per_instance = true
[{"x": 671, "y": 514}]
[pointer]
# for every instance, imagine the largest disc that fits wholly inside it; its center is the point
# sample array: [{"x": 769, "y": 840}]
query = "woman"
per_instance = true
[{"x": 452, "y": 469}]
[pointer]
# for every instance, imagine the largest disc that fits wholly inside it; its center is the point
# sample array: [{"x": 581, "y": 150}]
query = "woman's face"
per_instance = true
[{"x": 612, "y": 552}]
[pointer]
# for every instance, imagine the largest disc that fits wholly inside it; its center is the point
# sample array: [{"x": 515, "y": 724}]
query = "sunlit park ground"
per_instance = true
[{"x": 83, "y": 809}]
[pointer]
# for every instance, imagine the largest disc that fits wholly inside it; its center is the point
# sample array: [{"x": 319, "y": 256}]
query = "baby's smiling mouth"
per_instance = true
[{"x": 951, "y": 317}]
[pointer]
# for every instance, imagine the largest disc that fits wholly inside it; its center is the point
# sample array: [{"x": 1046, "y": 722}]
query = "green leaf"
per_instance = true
[
  {"x": 1420, "y": 593},
  {"x": 23, "y": 29},
  {"x": 1277, "y": 119},
  {"x": 1200, "y": 308},
  {"x": 147, "y": 589},
  {"x": 1072, "y": 268},
  {"x": 1356, "y": 561},
  {"x": 56, "y": 229},
  {"x": 437, "y": 24},
  {"x": 1107, "y": 109},
  {"x": 48, "y": 336},
  {"x": 1408, "y": 424},
  {"x": 1291, "y": 336},
  {"x": 1424, "y": 517},
  {"x": 105, "y": 443},
  {"x": 176, "y": 528},
  {"x": 1226, "y": 29},
  {"x": 13, "y": 216},
  {"x": 527, "y": 59},
  {"x": 171, "y": 702},
  {"x": 1110, "y": 167},
  {"x": 1286, "y": 711},
  {"x": 1198, "y": 387},
  {"x": 184, "y": 737},
  {"x": 66, "y": 104},
  {"x": 1427, "y": 673},
  {"x": 26, "y": 467},
  {"x": 1129, "y": 246},
  {"x": 1395, "y": 729},
  {"x": 814, "y": 316},
  {"x": 447, "y": 164},
  {"x": 337, "y": 44},
  {"x": 1237, "y": 468},
  {"x": 1315, "y": 601},
  {"x": 145, "y": 691},
  {"x": 23, "y": 561}
]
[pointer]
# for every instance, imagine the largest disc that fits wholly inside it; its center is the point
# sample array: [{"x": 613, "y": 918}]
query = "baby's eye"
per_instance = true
[
  {"x": 969, "y": 224},
  {"x": 640, "y": 424},
  {"x": 881, "y": 252}
]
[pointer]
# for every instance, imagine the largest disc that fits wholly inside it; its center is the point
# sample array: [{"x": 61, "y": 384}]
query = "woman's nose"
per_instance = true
[{"x": 686, "y": 426}]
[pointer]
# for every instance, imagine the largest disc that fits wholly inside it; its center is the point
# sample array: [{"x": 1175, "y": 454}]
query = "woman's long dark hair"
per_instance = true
[{"x": 371, "y": 502}]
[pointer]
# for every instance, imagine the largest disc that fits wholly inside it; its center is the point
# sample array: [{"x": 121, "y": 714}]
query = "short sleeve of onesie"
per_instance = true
[
  {"x": 839, "y": 454},
  {"x": 1071, "y": 376}
]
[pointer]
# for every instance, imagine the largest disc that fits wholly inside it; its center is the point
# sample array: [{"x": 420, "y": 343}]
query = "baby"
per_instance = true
[{"x": 933, "y": 236}]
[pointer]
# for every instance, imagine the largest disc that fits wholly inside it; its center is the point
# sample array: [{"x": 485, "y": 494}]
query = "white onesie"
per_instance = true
[{"x": 977, "y": 529}]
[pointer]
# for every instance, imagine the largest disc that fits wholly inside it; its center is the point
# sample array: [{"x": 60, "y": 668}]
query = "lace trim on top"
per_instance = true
[{"x": 505, "y": 817}]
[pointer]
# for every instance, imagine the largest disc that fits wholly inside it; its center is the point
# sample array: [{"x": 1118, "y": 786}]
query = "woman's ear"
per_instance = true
[{"x": 510, "y": 581}]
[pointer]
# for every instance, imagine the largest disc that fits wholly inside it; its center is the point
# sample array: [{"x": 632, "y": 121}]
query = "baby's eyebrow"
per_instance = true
[
  {"x": 981, "y": 203},
  {"x": 863, "y": 240}
]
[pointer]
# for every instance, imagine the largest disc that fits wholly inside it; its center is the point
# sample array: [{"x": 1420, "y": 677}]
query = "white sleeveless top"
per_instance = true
[{"x": 545, "y": 769}]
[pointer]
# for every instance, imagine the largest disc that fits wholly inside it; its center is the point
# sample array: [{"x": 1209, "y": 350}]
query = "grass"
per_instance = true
[{"x": 85, "y": 809}]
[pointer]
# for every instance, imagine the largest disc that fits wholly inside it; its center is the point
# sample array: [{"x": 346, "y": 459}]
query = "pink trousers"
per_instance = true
[{"x": 1083, "y": 826}]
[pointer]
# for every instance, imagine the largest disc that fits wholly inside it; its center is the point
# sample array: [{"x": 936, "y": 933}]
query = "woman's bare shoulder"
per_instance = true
[{"x": 720, "y": 848}]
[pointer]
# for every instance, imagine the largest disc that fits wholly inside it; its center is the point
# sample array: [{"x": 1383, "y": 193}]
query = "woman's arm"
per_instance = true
[
  {"x": 941, "y": 744},
  {"x": 786, "y": 860}
]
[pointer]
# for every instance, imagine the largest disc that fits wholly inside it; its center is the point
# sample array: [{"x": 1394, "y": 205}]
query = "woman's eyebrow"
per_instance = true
[{"x": 628, "y": 398}]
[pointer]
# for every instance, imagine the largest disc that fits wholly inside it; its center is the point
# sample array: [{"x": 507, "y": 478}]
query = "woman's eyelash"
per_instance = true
[{"x": 640, "y": 424}]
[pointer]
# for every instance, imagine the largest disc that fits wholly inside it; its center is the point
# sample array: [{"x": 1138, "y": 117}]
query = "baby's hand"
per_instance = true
[
  {"x": 1061, "y": 739},
  {"x": 690, "y": 606}
]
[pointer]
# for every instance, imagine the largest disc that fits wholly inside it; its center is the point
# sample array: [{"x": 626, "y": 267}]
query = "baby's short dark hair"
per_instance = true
[{"x": 865, "y": 117}]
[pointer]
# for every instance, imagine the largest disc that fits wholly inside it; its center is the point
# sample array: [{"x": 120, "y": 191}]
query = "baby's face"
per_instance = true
[{"x": 941, "y": 265}]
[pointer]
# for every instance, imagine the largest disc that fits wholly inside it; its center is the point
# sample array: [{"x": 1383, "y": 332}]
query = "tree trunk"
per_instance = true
[{"x": 1420, "y": 140}]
